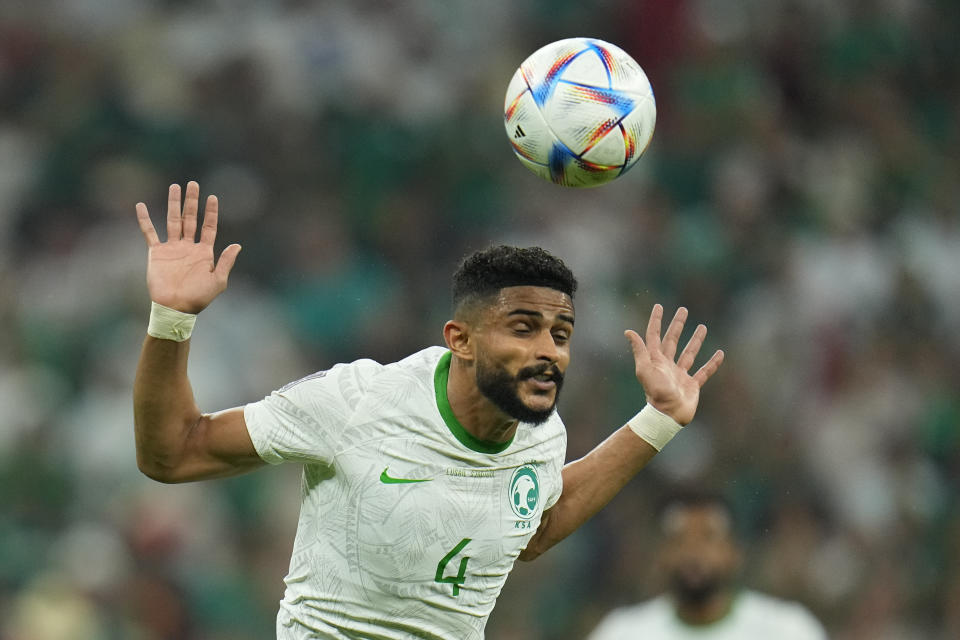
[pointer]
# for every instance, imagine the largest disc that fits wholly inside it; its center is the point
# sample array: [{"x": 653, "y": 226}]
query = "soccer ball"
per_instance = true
[{"x": 579, "y": 112}]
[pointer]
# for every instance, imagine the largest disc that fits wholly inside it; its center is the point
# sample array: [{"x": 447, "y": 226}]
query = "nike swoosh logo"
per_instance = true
[{"x": 385, "y": 478}]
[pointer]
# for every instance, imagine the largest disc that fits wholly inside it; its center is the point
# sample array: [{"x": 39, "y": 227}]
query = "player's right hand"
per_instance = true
[{"x": 181, "y": 273}]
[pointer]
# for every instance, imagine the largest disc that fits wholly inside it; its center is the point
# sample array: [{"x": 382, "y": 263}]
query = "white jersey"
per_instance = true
[
  {"x": 754, "y": 616},
  {"x": 408, "y": 524}
]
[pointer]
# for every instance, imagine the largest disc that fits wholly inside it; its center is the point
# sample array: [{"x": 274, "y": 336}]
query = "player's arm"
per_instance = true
[
  {"x": 175, "y": 441},
  {"x": 591, "y": 482}
]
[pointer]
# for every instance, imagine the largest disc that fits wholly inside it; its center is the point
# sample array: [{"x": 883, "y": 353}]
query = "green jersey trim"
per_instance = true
[{"x": 440, "y": 377}]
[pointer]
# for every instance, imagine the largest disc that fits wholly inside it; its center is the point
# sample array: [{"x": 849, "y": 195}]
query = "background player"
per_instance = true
[
  {"x": 700, "y": 560},
  {"x": 424, "y": 480}
]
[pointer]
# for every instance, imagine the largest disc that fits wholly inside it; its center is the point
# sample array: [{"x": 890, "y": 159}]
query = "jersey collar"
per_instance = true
[{"x": 440, "y": 377}]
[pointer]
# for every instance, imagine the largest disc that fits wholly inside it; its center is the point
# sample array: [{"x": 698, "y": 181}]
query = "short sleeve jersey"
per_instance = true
[
  {"x": 753, "y": 615},
  {"x": 408, "y": 524}
]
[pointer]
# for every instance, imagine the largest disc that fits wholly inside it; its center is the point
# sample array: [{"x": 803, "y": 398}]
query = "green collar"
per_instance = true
[{"x": 440, "y": 377}]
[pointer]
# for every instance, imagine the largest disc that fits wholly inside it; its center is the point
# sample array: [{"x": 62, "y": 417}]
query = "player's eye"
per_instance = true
[
  {"x": 521, "y": 327},
  {"x": 561, "y": 337}
]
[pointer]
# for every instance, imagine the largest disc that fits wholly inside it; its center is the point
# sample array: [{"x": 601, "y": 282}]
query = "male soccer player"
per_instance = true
[
  {"x": 424, "y": 479},
  {"x": 700, "y": 557}
]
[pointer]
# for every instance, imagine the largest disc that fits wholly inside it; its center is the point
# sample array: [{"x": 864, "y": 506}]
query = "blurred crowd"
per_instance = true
[{"x": 800, "y": 197}]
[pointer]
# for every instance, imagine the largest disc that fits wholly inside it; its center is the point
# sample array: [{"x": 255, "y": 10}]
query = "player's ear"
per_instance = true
[{"x": 456, "y": 333}]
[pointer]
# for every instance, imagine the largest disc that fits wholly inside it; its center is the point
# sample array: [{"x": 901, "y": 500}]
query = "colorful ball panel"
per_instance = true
[{"x": 579, "y": 112}]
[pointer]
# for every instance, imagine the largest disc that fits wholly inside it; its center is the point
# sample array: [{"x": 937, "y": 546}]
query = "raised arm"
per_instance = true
[
  {"x": 175, "y": 441},
  {"x": 672, "y": 395}
]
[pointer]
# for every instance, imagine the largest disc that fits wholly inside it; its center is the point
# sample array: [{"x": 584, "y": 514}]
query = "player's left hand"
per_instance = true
[{"x": 668, "y": 384}]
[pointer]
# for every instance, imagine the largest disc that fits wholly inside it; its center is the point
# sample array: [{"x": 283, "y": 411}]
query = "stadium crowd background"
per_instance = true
[{"x": 800, "y": 196}]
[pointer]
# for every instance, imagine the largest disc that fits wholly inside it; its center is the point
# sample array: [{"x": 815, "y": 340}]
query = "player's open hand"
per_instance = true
[
  {"x": 181, "y": 273},
  {"x": 668, "y": 384}
]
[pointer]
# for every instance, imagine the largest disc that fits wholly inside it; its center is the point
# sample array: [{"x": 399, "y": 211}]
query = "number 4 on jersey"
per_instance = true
[{"x": 460, "y": 578}]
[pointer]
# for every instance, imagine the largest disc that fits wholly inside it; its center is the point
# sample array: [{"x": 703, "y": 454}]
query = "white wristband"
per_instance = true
[
  {"x": 655, "y": 427},
  {"x": 170, "y": 324}
]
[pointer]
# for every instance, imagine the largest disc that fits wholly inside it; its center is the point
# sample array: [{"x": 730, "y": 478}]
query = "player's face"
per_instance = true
[
  {"x": 523, "y": 349},
  {"x": 699, "y": 553}
]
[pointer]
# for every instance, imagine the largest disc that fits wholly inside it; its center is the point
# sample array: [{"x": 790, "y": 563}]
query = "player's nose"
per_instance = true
[{"x": 546, "y": 348}]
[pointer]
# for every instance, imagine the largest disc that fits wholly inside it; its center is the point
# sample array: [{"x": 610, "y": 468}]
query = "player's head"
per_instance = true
[
  {"x": 513, "y": 320},
  {"x": 699, "y": 551}
]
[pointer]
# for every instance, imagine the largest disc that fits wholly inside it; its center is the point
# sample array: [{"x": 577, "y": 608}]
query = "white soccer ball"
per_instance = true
[{"x": 579, "y": 112}]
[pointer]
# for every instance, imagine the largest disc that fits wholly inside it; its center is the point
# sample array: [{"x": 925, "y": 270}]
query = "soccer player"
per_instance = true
[
  {"x": 700, "y": 557},
  {"x": 424, "y": 479}
]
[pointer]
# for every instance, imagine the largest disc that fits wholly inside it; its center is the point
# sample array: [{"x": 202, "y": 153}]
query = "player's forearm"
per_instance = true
[
  {"x": 164, "y": 409},
  {"x": 589, "y": 484}
]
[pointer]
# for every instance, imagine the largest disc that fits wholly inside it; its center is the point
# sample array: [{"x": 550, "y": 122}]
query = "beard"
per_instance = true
[
  {"x": 503, "y": 389},
  {"x": 695, "y": 591}
]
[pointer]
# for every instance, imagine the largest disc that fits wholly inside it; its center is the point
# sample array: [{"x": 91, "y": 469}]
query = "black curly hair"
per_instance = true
[{"x": 485, "y": 272}]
